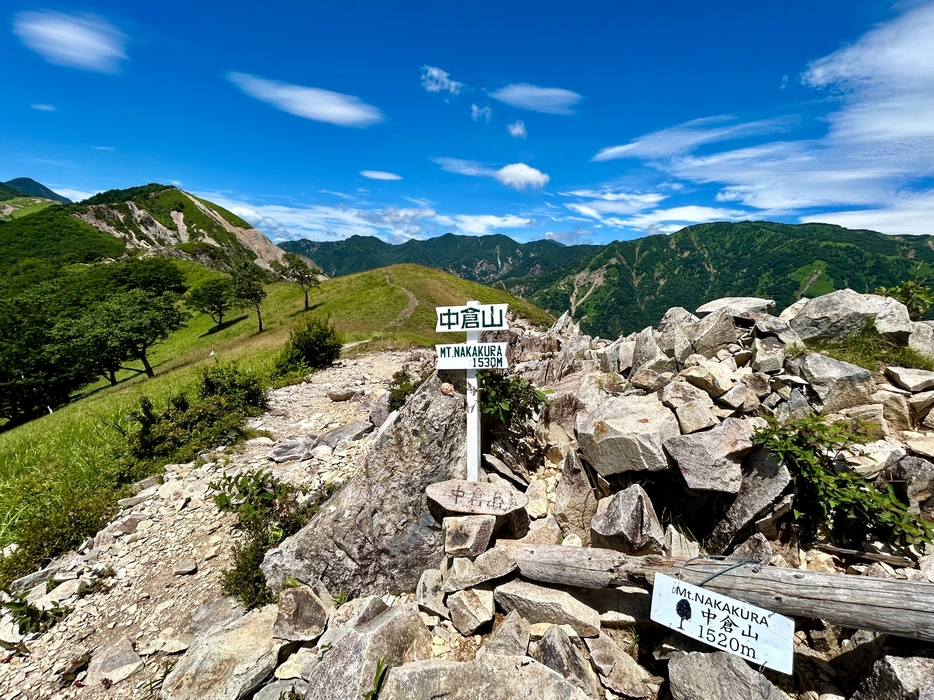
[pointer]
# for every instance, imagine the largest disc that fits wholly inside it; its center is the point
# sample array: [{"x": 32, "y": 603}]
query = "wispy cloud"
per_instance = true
[
  {"x": 517, "y": 175},
  {"x": 44, "y": 108},
  {"x": 380, "y": 175},
  {"x": 436, "y": 80},
  {"x": 308, "y": 102},
  {"x": 484, "y": 224},
  {"x": 73, "y": 194},
  {"x": 688, "y": 136},
  {"x": 105, "y": 148},
  {"x": 575, "y": 237},
  {"x": 80, "y": 41},
  {"x": 478, "y": 113},
  {"x": 517, "y": 129},
  {"x": 538, "y": 99}
]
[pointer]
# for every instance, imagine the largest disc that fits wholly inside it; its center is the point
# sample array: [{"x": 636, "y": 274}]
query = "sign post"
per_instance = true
[{"x": 473, "y": 318}]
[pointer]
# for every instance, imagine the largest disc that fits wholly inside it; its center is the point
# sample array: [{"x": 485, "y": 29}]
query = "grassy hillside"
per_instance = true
[
  {"x": 7, "y": 192},
  {"x": 27, "y": 187},
  {"x": 58, "y": 460},
  {"x": 18, "y": 207}
]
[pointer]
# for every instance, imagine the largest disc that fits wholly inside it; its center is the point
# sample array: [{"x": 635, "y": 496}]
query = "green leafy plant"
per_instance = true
[
  {"x": 29, "y": 618},
  {"x": 313, "y": 343},
  {"x": 871, "y": 350},
  {"x": 155, "y": 685},
  {"x": 341, "y": 599},
  {"x": 828, "y": 492},
  {"x": 291, "y": 694},
  {"x": 508, "y": 402},
  {"x": 916, "y": 296},
  {"x": 401, "y": 387},
  {"x": 373, "y": 693}
]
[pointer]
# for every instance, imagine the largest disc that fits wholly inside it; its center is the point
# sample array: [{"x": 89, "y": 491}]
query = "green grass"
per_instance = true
[
  {"x": 811, "y": 284},
  {"x": 64, "y": 462},
  {"x": 23, "y": 206},
  {"x": 871, "y": 350}
]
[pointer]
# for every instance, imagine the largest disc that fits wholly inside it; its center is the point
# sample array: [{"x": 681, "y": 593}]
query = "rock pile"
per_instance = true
[{"x": 637, "y": 432}]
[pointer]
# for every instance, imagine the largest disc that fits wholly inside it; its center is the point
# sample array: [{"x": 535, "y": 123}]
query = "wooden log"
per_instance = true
[{"x": 902, "y": 608}]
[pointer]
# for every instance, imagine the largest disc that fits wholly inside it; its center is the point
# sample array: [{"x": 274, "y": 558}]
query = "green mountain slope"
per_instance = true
[
  {"x": 27, "y": 187},
  {"x": 7, "y": 192},
  {"x": 494, "y": 260},
  {"x": 630, "y": 284}
]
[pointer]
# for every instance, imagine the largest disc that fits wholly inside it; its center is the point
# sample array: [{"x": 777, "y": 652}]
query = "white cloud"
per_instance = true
[
  {"x": 686, "y": 137},
  {"x": 576, "y": 237},
  {"x": 483, "y": 224},
  {"x": 911, "y": 214},
  {"x": 478, "y": 113},
  {"x": 73, "y": 194},
  {"x": 105, "y": 148},
  {"x": 677, "y": 217},
  {"x": 380, "y": 175},
  {"x": 437, "y": 80},
  {"x": 519, "y": 176},
  {"x": 80, "y": 41},
  {"x": 538, "y": 99},
  {"x": 517, "y": 129},
  {"x": 44, "y": 108},
  {"x": 310, "y": 103}
]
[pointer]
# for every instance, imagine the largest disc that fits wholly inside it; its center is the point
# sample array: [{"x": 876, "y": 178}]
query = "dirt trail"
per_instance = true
[{"x": 410, "y": 307}]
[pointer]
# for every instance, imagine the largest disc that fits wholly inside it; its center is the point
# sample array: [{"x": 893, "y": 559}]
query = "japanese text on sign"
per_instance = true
[
  {"x": 472, "y": 356},
  {"x": 483, "y": 317},
  {"x": 753, "y": 633}
]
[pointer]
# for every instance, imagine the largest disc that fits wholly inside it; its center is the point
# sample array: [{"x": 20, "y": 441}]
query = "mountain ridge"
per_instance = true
[{"x": 27, "y": 187}]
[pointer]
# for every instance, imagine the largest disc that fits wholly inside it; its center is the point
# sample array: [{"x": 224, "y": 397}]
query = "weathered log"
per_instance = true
[{"x": 902, "y": 608}]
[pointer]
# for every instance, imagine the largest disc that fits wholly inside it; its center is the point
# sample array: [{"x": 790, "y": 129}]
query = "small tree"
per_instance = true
[
  {"x": 247, "y": 283},
  {"x": 294, "y": 268},
  {"x": 214, "y": 298},
  {"x": 140, "y": 320}
]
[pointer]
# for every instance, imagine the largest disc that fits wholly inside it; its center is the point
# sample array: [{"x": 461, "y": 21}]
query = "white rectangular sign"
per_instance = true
[
  {"x": 755, "y": 634},
  {"x": 472, "y": 356},
  {"x": 479, "y": 317}
]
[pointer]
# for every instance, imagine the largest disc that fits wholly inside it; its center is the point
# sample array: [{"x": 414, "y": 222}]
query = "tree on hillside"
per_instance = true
[
  {"x": 154, "y": 274},
  {"x": 140, "y": 320},
  {"x": 247, "y": 281},
  {"x": 294, "y": 268},
  {"x": 214, "y": 297},
  {"x": 92, "y": 341}
]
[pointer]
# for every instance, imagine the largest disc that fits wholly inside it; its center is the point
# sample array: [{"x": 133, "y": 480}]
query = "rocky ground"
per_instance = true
[{"x": 458, "y": 603}]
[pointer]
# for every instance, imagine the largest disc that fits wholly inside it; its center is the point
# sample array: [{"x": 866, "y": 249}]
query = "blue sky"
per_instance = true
[{"x": 581, "y": 122}]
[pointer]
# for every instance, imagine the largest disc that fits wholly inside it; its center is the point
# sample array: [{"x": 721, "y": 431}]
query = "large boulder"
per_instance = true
[
  {"x": 575, "y": 503},
  {"x": 700, "y": 676},
  {"x": 489, "y": 676},
  {"x": 837, "y": 384},
  {"x": 712, "y": 333},
  {"x": 922, "y": 338},
  {"x": 900, "y": 675},
  {"x": 377, "y": 534},
  {"x": 845, "y": 312},
  {"x": 626, "y": 433},
  {"x": 710, "y": 460},
  {"x": 742, "y": 307},
  {"x": 648, "y": 355},
  {"x": 229, "y": 662},
  {"x": 626, "y": 521},
  {"x": 543, "y": 604}
]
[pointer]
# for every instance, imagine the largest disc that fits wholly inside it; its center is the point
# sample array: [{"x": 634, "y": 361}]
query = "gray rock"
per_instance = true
[
  {"x": 694, "y": 416},
  {"x": 339, "y": 395},
  {"x": 740, "y": 398},
  {"x": 742, "y": 307},
  {"x": 763, "y": 481},
  {"x": 699, "y": 676},
  {"x": 675, "y": 317},
  {"x": 711, "y": 460},
  {"x": 509, "y": 638},
  {"x": 377, "y": 533},
  {"x": 347, "y": 670},
  {"x": 490, "y": 677},
  {"x": 756, "y": 547},
  {"x": 678, "y": 393},
  {"x": 277, "y": 690},
  {"x": 922, "y": 339},
  {"x": 380, "y": 411},
  {"x": 892, "y": 317},
  {"x": 918, "y": 477},
  {"x": 713, "y": 377},
  {"x": 626, "y": 433},
  {"x": 116, "y": 662},
  {"x": 678, "y": 545},
  {"x": 575, "y": 503},
  {"x": 914, "y": 380},
  {"x": 543, "y": 531},
  {"x": 712, "y": 333},
  {"x": 302, "y": 616},
  {"x": 647, "y": 355},
  {"x": 626, "y": 522},
  {"x": 350, "y": 432},
  {"x": 845, "y": 312},
  {"x": 541, "y": 604},
  {"x": 293, "y": 448},
  {"x": 428, "y": 593},
  {"x": 467, "y": 536},
  {"x": 557, "y": 652},
  {"x": 619, "y": 671},
  {"x": 871, "y": 415},
  {"x": 768, "y": 354},
  {"x": 837, "y": 384},
  {"x": 779, "y": 327},
  {"x": 898, "y": 677},
  {"x": 229, "y": 663},
  {"x": 649, "y": 380},
  {"x": 537, "y": 507},
  {"x": 618, "y": 607},
  {"x": 216, "y": 612},
  {"x": 470, "y": 609},
  {"x": 492, "y": 564},
  {"x": 185, "y": 567},
  {"x": 758, "y": 383},
  {"x": 896, "y": 408}
]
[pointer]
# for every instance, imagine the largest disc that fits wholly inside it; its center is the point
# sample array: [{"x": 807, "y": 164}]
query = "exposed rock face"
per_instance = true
[
  {"x": 510, "y": 638},
  {"x": 699, "y": 676},
  {"x": 711, "y": 460},
  {"x": 575, "y": 503},
  {"x": 116, "y": 662},
  {"x": 377, "y": 533},
  {"x": 627, "y": 433},
  {"x": 557, "y": 652},
  {"x": 626, "y": 521},
  {"x": 844, "y": 312},
  {"x": 302, "y": 616},
  {"x": 491, "y": 677},
  {"x": 228, "y": 664},
  {"x": 744, "y": 307},
  {"x": 837, "y": 384}
]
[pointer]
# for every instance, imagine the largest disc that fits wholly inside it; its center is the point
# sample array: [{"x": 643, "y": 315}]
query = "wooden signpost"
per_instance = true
[{"x": 471, "y": 356}]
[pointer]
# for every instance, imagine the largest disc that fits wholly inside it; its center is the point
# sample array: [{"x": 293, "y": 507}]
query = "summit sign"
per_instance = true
[{"x": 472, "y": 356}]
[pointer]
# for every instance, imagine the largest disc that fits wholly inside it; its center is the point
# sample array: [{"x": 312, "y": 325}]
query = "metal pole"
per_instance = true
[{"x": 473, "y": 413}]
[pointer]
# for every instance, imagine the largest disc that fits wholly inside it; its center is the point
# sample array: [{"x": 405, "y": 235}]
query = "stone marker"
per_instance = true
[{"x": 461, "y": 496}]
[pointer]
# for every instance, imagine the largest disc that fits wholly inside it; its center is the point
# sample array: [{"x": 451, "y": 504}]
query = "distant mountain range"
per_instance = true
[
  {"x": 627, "y": 285},
  {"x": 27, "y": 187}
]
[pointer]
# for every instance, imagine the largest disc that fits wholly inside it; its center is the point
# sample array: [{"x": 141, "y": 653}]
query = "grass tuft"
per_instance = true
[{"x": 871, "y": 350}]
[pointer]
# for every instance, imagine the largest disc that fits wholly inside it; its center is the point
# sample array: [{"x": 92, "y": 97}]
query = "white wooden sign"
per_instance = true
[
  {"x": 472, "y": 356},
  {"x": 473, "y": 317},
  {"x": 755, "y": 634}
]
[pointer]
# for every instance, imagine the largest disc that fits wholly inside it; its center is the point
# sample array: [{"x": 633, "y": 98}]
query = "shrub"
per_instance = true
[
  {"x": 508, "y": 402},
  {"x": 401, "y": 387},
  {"x": 313, "y": 343},
  {"x": 871, "y": 350},
  {"x": 828, "y": 492},
  {"x": 231, "y": 382},
  {"x": 914, "y": 295}
]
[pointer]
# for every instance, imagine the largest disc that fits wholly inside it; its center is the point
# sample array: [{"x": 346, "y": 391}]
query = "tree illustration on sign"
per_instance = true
[{"x": 683, "y": 608}]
